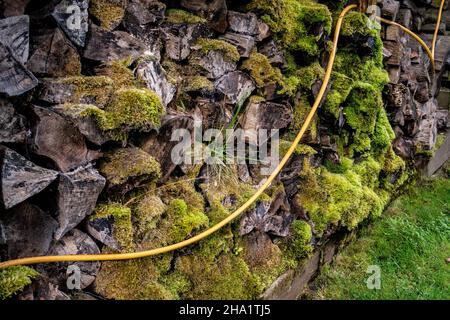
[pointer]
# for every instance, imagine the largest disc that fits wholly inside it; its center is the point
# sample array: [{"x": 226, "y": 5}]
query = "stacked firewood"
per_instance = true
[
  {"x": 90, "y": 96},
  {"x": 414, "y": 86}
]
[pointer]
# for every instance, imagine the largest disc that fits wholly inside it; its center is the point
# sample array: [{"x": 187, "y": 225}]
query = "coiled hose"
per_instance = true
[{"x": 249, "y": 202}]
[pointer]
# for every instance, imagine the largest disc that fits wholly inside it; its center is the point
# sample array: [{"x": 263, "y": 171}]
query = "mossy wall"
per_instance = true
[
  {"x": 333, "y": 194},
  {"x": 161, "y": 66}
]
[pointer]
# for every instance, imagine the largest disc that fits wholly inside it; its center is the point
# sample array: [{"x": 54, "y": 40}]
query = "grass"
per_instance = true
[{"x": 410, "y": 244}]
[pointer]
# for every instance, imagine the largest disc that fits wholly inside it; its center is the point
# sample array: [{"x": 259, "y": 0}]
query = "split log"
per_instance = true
[
  {"x": 180, "y": 37},
  {"x": 72, "y": 16},
  {"x": 265, "y": 115},
  {"x": 76, "y": 198},
  {"x": 20, "y": 178},
  {"x": 244, "y": 43},
  {"x": 54, "y": 55},
  {"x": 42, "y": 289},
  {"x": 86, "y": 124},
  {"x": 140, "y": 16},
  {"x": 214, "y": 62},
  {"x": 274, "y": 54},
  {"x": 390, "y": 9},
  {"x": 105, "y": 46},
  {"x": 142, "y": 19},
  {"x": 236, "y": 86},
  {"x": 425, "y": 139},
  {"x": 73, "y": 90},
  {"x": 423, "y": 93},
  {"x": 12, "y": 124},
  {"x": 102, "y": 229},
  {"x": 405, "y": 17},
  {"x": 273, "y": 218},
  {"x": 441, "y": 156},
  {"x": 245, "y": 23},
  {"x": 59, "y": 140},
  {"x": 396, "y": 52},
  {"x": 14, "y": 33},
  {"x": 151, "y": 72},
  {"x": 26, "y": 231},
  {"x": 213, "y": 114},
  {"x": 15, "y": 79}
]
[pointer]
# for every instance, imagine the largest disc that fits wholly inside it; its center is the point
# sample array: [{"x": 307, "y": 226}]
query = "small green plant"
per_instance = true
[{"x": 14, "y": 279}]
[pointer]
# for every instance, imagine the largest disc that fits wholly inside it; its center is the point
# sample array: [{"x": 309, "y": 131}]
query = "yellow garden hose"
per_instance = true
[
  {"x": 249, "y": 202},
  {"x": 436, "y": 30}
]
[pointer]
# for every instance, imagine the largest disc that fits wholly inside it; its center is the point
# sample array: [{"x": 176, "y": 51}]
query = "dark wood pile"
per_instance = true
[
  {"x": 414, "y": 88},
  {"x": 57, "y": 82}
]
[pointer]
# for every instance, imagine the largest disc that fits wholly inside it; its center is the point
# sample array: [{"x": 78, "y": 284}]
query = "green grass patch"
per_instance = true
[{"x": 410, "y": 244}]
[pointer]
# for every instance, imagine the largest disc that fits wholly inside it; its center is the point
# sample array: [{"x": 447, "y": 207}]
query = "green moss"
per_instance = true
[
  {"x": 291, "y": 21},
  {"x": 301, "y": 149},
  {"x": 301, "y": 78},
  {"x": 261, "y": 70},
  {"x": 291, "y": 85},
  {"x": 356, "y": 22},
  {"x": 383, "y": 133},
  {"x": 393, "y": 163},
  {"x": 363, "y": 68},
  {"x": 364, "y": 113},
  {"x": 134, "y": 279},
  {"x": 90, "y": 90},
  {"x": 351, "y": 69},
  {"x": 361, "y": 108},
  {"x": 215, "y": 273},
  {"x": 310, "y": 74},
  {"x": 177, "y": 16},
  {"x": 176, "y": 283},
  {"x": 183, "y": 215},
  {"x": 368, "y": 171},
  {"x": 138, "y": 109},
  {"x": 14, "y": 279},
  {"x": 119, "y": 72},
  {"x": 276, "y": 264},
  {"x": 340, "y": 89},
  {"x": 440, "y": 140},
  {"x": 227, "y": 49},
  {"x": 173, "y": 71},
  {"x": 147, "y": 214},
  {"x": 335, "y": 6},
  {"x": 123, "y": 229},
  {"x": 108, "y": 12},
  {"x": 129, "y": 163},
  {"x": 184, "y": 189},
  {"x": 301, "y": 110},
  {"x": 301, "y": 239},
  {"x": 185, "y": 221},
  {"x": 394, "y": 172},
  {"x": 339, "y": 198},
  {"x": 130, "y": 109},
  {"x": 218, "y": 191},
  {"x": 197, "y": 83}
]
